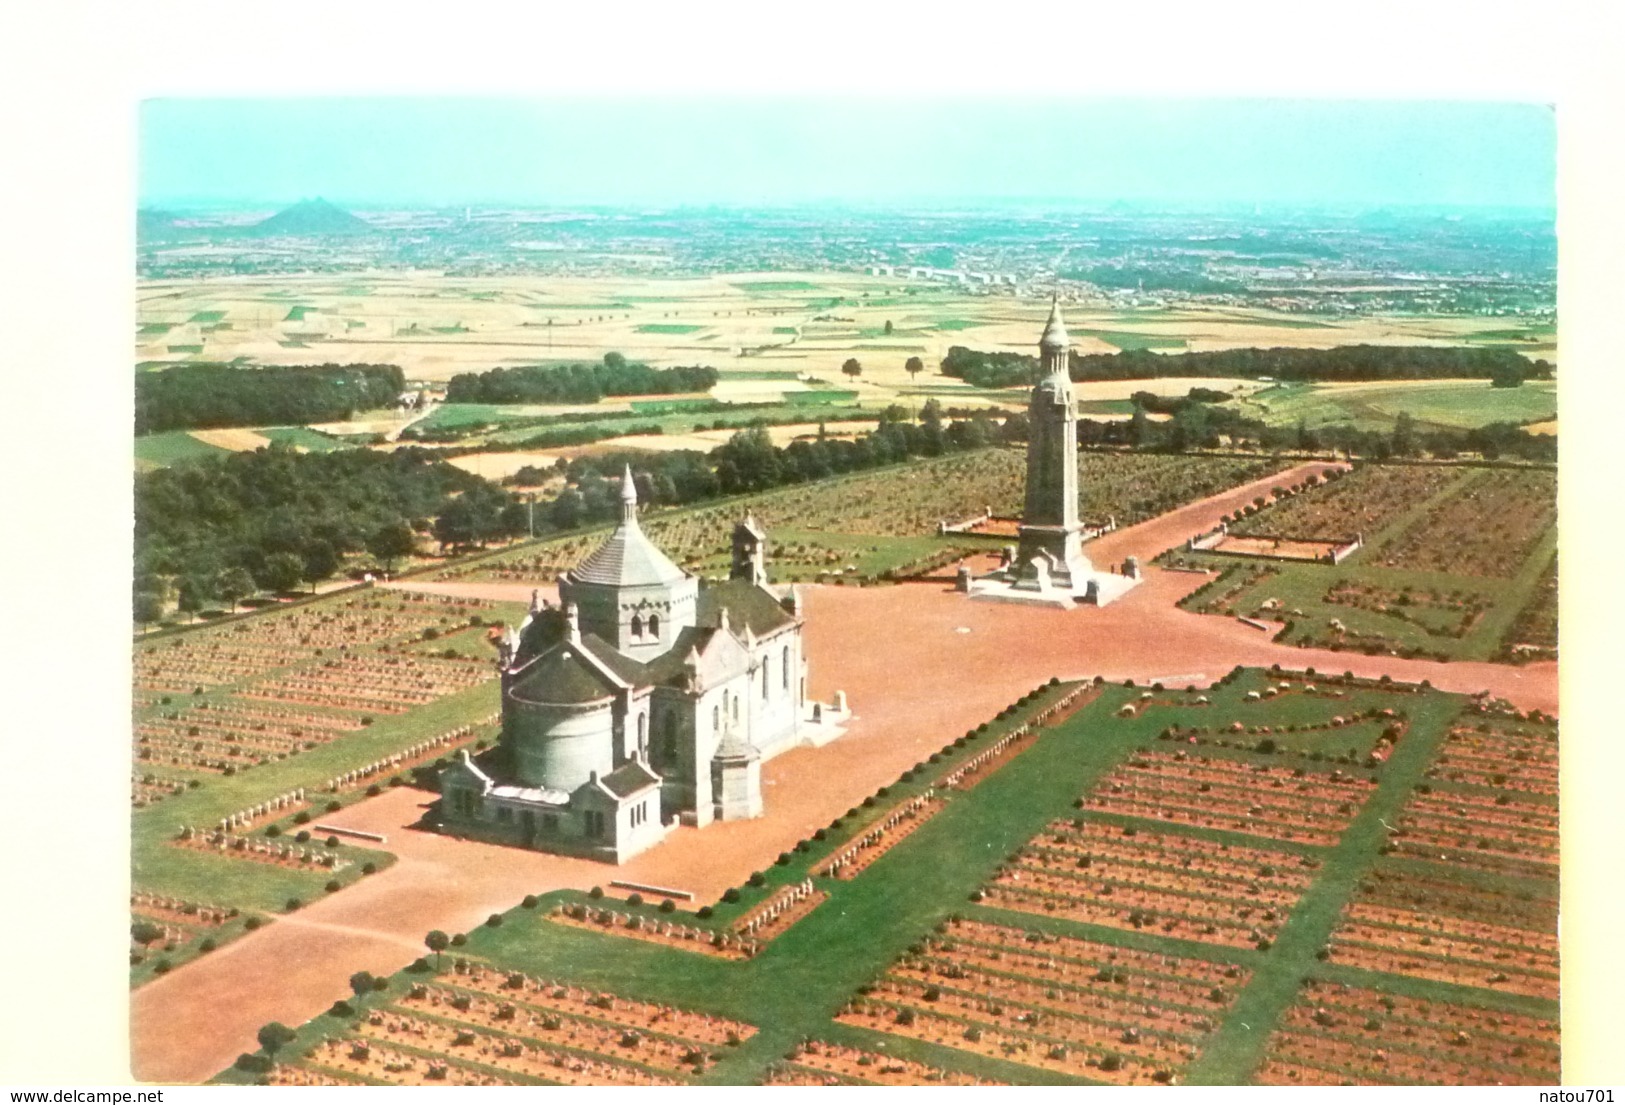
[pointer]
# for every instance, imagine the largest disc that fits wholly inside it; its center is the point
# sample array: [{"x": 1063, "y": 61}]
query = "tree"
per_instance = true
[
  {"x": 275, "y": 1036},
  {"x": 148, "y": 607},
  {"x": 437, "y": 942},
  {"x": 363, "y": 983},
  {"x": 852, "y": 368},
  {"x": 234, "y": 585},
  {"x": 888, "y": 328},
  {"x": 913, "y": 366},
  {"x": 194, "y": 593},
  {"x": 319, "y": 562},
  {"x": 390, "y": 543},
  {"x": 283, "y": 571},
  {"x": 456, "y": 525}
]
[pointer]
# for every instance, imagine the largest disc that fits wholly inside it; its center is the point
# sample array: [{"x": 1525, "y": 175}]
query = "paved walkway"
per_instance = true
[{"x": 943, "y": 665}]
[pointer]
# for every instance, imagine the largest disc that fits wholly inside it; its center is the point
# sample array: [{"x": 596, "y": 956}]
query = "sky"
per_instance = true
[{"x": 769, "y": 150}]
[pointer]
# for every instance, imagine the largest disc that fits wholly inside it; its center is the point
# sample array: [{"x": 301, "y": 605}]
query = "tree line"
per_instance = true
[
  {"x": 1346, "y": 363},
  {"x": 577, "y": 383},
  {"x": 214, "y": 396},
  {"x": 221, "y": 528}
]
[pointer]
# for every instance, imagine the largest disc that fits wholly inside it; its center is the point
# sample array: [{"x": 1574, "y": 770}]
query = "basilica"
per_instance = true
[{"x": 644, "y": 699}]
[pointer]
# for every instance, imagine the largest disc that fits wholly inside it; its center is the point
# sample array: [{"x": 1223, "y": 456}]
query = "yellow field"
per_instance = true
[
  {"x": 238, "y": 441},
  {"x": 756, "y": 323}
]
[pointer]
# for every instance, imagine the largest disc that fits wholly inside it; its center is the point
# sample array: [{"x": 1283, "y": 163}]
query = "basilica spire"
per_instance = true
[{"x": 629, "y": 498}]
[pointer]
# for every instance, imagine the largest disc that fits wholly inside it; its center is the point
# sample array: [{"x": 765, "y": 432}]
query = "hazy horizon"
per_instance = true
[{"x": 933, "y": 154}]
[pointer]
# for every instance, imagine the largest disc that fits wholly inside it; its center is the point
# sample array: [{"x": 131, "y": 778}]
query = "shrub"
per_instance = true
[
  {"x": 635, "y": 899},
  {"x": 494, "y": 921},
  {"x": 341, "y": 1009},
  {"x": 333, "y": 885},
  {"x": 301, "y": 836},
  {"x": 668, "y": 906},
  {"x": 783, "y": 860},
  {"x": 332, "y": 842},
  {"x": 705, "y": 911},
  {"x": 374, "y": 790},
  {"x": 273, "y": 831},
  {"x": 252, "y": 923},
  {"x": 530, "y": 901},
  {"x": 292, "y": 904},
  {"x": 369, "y": 868},
  {"x": 731, "y": 894},
  {"x": 334, "y": 806},
  {"x": 596, "y": 892},
  {"x": 163, "y": 966},
  {"x": 756, "y": 878},
  {"x": 459, "y": 940}
]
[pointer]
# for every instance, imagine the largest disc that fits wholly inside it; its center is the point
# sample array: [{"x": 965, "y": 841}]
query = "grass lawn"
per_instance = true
[
  {"x": 1458, "y": 405},
  {"x": 793, "y": 988},
  {"x": 777, "y": 286},
  {"x": 1416, "y": 623},
  {"x": 1126, "y": 340},
  {"x": 161, "y": 450},
  {"x": 302, "y": 437}
]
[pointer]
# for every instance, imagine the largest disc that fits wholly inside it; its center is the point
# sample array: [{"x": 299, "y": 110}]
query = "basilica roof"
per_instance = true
[
  {"x": 627, "y": 558},
  {"x": 562, "y": 676},
  {"x": 629, "y": 778},
  {"x": 748, "y": 606}
]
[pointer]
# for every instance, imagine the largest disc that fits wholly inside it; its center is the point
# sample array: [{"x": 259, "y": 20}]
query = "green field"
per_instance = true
[
  {"x": 208, "y": 316},
  {"x": 669, "y": 328},
  {"x": 1128, "y": 340},
  {"x": 786, "y": 330},
  {"x": 302, "y": 437},
  {"x": 885, "y": 913},
  {"x": 161, "y": 450},
  {"x": 154, "y": 329},
  {"x": 1458, "y": 405},
  {"x": 957, "y": 324},
  {"x": 297, "y": 314},
  {"x": 776, "y": 286}
]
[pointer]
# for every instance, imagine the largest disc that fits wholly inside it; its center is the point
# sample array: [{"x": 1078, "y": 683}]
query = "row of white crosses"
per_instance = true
[
  {"x": 208, "y": 914},
  {"x": 250, "y": 814},
  {"x": 770, "y": 910},
  {"x": 954, "y": 778},
  {"x": 421, "y": 748},
  {"x": 720, "y": 940},
  {"x": 874, "y": 836},
  {"x": 223, "y": 841}
]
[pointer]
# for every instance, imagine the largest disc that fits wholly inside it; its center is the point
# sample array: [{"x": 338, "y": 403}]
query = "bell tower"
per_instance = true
[{"x": 1050, "y": 529}]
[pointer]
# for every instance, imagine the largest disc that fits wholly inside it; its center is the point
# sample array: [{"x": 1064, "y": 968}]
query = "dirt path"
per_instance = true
[{"x": 944, "y": 665}]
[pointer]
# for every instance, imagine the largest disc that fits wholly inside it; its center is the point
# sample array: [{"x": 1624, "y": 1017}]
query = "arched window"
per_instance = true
[
  {"x": 669, "y": 741},
  {"x": 786, "y": 667},
  {"x": 764, "y": 681},
  {"x": 716, "y": 720},
  {"x": 654, "y": 625},
  {"x": 637, "y": 625},
  {"x": 736, "y": 707},
  {"x": 643, "y": 733}
]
